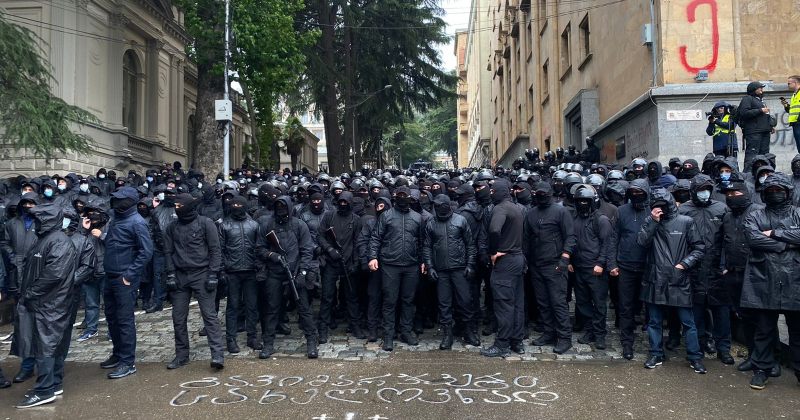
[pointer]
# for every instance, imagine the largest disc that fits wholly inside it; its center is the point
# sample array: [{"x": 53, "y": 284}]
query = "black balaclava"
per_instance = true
[
  {"x": 143, "y": 209},
  {"x": 690, "y": 169},
  {"x": 425, "y": 201},
  {"x": 465, "y": 194},
  {"x": 584, "y": 207},
  {"x": 344, "y": 204},
  {"x": 437, "y": 188},
  {"x": 501, "y": 191},
  {"x": 316, "y": 208},
  {"x": 543, "y": 195},
  {"x": 188, "y": 211},
  {"x": 403, "y": 203},
  {"x": 267, "y": 195},
  {"x": 281, "y": 210},
  {"x": 416, "y": 205},
  {"x": 524, "y": 196},
  {"x": 442, "y": 207},
  {"x": 638, "y": 194},
  {"x": 484, "y": 195},
  {"x": 240, "y": 212},
  {"x": 358, "y": 206},
  {"x": 738, "y": 203},
  {"x": 796, "y": 166},
  {"x": 387, "y": 204},
  {"x": 121, "y": 205}
]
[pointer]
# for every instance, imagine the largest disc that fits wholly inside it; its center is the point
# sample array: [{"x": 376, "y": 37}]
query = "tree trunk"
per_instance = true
[
  {"x": 251, "y": 110},
  {"x": 350, "y": 123},
  {"x": 330, "y": 113},
  {"x": 294, "y": 157},
  {"x": 209, "y": 150}
]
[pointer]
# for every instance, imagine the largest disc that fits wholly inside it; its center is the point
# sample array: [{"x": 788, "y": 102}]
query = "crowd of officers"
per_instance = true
[{"x": 392, "y": 254}]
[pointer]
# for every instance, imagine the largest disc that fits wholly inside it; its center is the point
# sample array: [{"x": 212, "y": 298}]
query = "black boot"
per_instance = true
[
  {"x": 388, "y": 343},
  {"x": 490, "y": 328},
  {"x": 311, "y": 349},
  {"x": 357, "y": 332},
  {"x": 323, "y": 335},
  {"x": 373, "y": 335},
  {"x": 471, "y": 337},
  {"x": 447, "y": 338},
  {"x": 284, "y": 329}
]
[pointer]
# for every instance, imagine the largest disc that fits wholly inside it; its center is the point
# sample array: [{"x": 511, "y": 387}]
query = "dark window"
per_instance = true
[{"x": 130, "y": 104}]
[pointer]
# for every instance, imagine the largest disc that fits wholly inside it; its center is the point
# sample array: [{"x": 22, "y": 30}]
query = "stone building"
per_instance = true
[
  {"x": 638, "y": 76},
  {"x": 125, "y": 62}
]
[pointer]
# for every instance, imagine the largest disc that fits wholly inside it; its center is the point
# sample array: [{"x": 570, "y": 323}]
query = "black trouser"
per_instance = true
[
  {"x": 193, "y": 283},
  {"x": 242, "y": 295},
  {"x": 374, "y": 304},
  {"x": 591, "y": 299},
  {"x": 454, "y": 283},
  {"x": 63, "y": 347},
  {"x": 733, "y": 281},
  {"x": 270, "y": 302},
  {"x": 550, "y": 290},
  {"x": 629, "y": 304},
  {"x": 120, "y": 302},
  {"x": 481, "y": 273},
  {"x": 425, "y": 301},
  {"x": 399, "y": 284},
  {"x": 755, "y": 144},
  {"x": 330, "y": 275},
  {"x": 509, "y": 299},
  {"x": 766, "y": 332}
]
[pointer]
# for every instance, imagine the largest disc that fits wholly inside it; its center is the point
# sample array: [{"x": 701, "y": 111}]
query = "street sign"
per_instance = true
[{"x": 684, "y": 115}]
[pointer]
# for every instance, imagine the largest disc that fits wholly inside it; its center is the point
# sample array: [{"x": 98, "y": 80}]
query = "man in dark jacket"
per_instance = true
[
  {"x": 735, "y": 254},
  {"x": 550, "y": 243},
  {"x": 504, "y": 246},
  {"x": 707, "y": 215},
  {"x": 337, "y": 235},
  {"x": 771, "y": 285},
  {"x": 754, "y": 118},
  {"x": 473, "y": 213},
  {"x": 193, "y": 258},
  {"x": 673, "y": 246},
  {"x": 629, "y": 260},
  {"x": 45, "y": 300},
  {"x": 128, "y": 250},
  {"x": 162, "y": 216},
  {"x": 449, "y": 254},
  {"x": 590, "y": 261},
  {"x": 237, "y": 236},
  {"x": 397, "y": 241},
  {"x": 92, "y": 289},
  {"x": 374, "y": 284},
  {"x": 295, "y": 240}
]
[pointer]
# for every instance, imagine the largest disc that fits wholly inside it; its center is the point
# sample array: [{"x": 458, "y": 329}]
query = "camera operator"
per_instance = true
[{"x": 721, "y": 128}]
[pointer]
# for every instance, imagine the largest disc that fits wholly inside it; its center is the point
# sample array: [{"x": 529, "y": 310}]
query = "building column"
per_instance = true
[
  {"x": 81, "y": 56},
  {"x": 152, "y": 75},
  {"x": 174, "y": 115},
  {"x": 180, "y": 139}
]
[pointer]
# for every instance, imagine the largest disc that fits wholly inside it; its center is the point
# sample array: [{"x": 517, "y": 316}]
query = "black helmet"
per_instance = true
[{"x": 597, "y": 181}]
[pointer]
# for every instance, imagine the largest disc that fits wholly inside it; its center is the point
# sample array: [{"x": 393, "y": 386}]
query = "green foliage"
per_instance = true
[
  {"x": 31, "y": 117},
  {"x": 267, "y": 51}
]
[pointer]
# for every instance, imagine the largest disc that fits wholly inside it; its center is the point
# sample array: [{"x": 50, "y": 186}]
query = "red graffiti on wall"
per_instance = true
[{"x": 691, "y": 10}]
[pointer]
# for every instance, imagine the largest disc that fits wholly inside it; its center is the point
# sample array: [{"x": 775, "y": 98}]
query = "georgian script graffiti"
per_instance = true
[{"x": 388, "y": 388}]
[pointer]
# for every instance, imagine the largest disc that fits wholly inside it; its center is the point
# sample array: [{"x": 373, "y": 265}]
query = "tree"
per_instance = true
[
  {"x": 267, "y": 54},
  {"x": 364, "y": 46},
  {"x": 441, "y": 127},
  {"x": 293, "y": 139},
  {"x": 31, "y": 117}
]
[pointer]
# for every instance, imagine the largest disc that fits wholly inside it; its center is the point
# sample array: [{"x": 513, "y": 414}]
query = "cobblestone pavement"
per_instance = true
[{"x": 155, "y": 343}]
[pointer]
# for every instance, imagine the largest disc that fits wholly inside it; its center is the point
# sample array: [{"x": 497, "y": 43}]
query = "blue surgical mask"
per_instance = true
[
  {"x": 84, "y": 187},
  {"x": 149, "y": 179},
  {"x": 725, "y": 176},
  {"x": 703, "y": 195},
  {"x": 160, "y": 196},
  {"x": 101, "y": 176},
  {"x": 48, "y": 193},
  {"x": 62, "y": 188},
  {"x": 65, "y": 223}
]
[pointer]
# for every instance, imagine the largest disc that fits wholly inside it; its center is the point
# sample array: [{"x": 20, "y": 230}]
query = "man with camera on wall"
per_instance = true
[{"x": 721, "y": 129}]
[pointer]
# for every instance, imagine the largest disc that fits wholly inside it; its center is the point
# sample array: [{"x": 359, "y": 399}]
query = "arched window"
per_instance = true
[{"x": 130, "y": 104}]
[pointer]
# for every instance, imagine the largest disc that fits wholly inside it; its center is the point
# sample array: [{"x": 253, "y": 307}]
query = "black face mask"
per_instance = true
[
  {"x": 281, "y": 213},
  {"x": 436, "y": 191},
  {"x": 796, "y": 168},
  {"x": 689, "y": 173},
  {"x": 403, "y": 204},
  {"x": 463, "y": 199},
  {"x": 638, "y": 199},
  {"x": 186, "y": 213},
  {"x": 143, "y": 211},
  {"x": 682, "y": 196},
  {"x": 343, "y": 209},
  {"x": 542, "y": 200},
  {"x": 772, "y": 198},
  {"x": 484, "y": 196},
  {"x": 584, "y": 208},
  {"x": 238, "y": 213},
  {"x": 121, "y": 205},
  {"x": 443, "y": 211},
  {"x": 737, "y": 202},
  {"x": 615, "y": 198}
]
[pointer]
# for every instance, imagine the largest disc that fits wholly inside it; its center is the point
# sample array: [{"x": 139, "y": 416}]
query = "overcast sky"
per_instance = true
[{"x": 457, "y": 17}]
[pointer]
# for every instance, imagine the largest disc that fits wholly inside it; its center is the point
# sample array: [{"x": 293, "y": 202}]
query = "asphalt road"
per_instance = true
[{"x": 435, "y": 385}]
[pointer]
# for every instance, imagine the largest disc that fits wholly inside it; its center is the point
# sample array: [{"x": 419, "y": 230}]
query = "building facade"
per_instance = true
[
  {"x": 125, "y": 62},
  {"x": 480, "y": 112},
  {"x": 638, "y": 76}
]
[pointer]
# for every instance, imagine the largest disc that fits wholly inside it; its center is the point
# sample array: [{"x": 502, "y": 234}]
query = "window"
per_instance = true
[
  {"x": 130, "y": 103},
  {"x": 530, "y": 103},
  {"x": 585, "y": 44},
  {"x": 566, "y": 53},
  {"x": 545, "y": 80}
]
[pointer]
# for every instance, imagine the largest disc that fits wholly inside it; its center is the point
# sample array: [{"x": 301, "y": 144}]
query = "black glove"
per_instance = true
[
  {"x": 469, "y": 273},
  {"x": 274, "y": 257},
  {"x": 300, "y": 280},
  {"x": 563, "y": 264},
  {"x": 171, "y": 282},
  {"x": 483, "y": 259},
  {"x": 433, "y": 274},
  {"x": 317, "y": 251},
  {"x": 334, "y": 254},
  {"x": 211, "y": 282}
]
